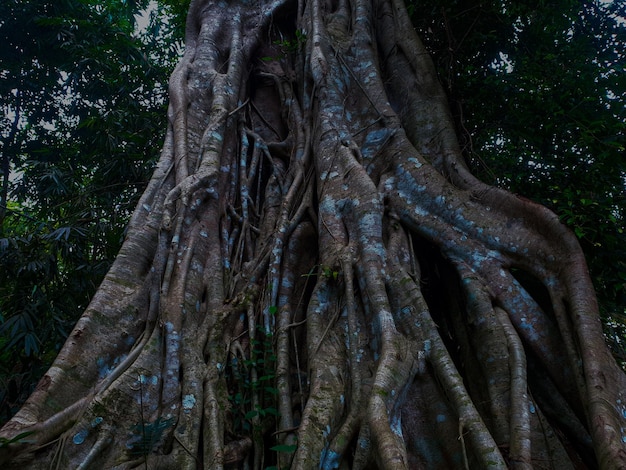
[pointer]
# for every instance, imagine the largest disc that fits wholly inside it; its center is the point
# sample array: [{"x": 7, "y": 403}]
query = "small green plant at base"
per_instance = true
[{"x": 253, "y": 397}]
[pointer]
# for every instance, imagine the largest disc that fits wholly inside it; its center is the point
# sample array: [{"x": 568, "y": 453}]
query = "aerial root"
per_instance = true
[
  {"x": 484, "y": 447},
  {"x": 213, "y": 422},
  {"x": 295, "y": 274},
  {"x": 481, "y": 338},
  {"x": 410, "y": 302},
  {"x": 520, "y": 444},
  {"x": 104, "y": 440},
  {"x": 356, "y": 388},
  {"x": 236, "y": 451},
  {"x": 328, "y": 376}
]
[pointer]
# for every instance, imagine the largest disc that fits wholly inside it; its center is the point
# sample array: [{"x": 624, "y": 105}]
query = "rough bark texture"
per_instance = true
[{"x": 313, "y": 279}]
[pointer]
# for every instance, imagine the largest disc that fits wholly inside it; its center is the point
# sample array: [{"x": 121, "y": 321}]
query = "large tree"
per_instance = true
[{"x": 313, "y": 278}]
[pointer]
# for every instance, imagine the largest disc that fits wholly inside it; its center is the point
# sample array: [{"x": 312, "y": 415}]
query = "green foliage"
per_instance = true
[
  {"x": 330, "y": 273},
  {"x": 287, "y": 47},
  {"x": 253, "y": 396},
  {"x": 537, "y": 91},
  {"x": 83, "y": 95},
  {"x": 293, "y": 45},
  {"x": 284, "y": 448}
]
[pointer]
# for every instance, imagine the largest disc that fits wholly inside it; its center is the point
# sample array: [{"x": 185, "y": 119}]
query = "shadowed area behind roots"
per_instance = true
[{"x": 313, "y": 278}]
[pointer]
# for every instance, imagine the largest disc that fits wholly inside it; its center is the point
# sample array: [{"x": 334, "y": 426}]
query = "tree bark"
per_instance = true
[{"x": 313, "y": 278}]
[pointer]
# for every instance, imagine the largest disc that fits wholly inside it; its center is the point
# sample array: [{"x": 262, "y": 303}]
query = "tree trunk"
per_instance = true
[{"x": 314, "y": 279}]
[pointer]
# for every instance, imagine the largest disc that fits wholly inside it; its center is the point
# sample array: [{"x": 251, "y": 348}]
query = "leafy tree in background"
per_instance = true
[
  {"x": 538, "y": 93},
  {"x": 82, "y": 91}
]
